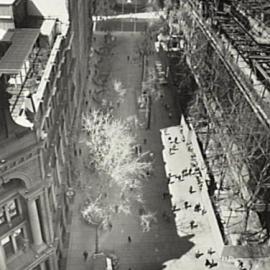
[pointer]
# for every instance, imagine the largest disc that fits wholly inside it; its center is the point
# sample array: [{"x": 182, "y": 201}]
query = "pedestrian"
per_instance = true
[
  {"x": 203, "y": 211},
  {"x": 186, "y": 204},
  {"x": 85, "y": 255},
  {"x": 184, "y": 172},
  {"x": 192, "y": 224},
  {"x": 110, "y": 226},
  {"x": 212, "y": 264},
  {"x": 144, "y": 140},
  {"x": 129, "y": 239},
  {"x": 207, "y": 262},
  {"x": 197, "y": 207},
  {"x": 191, "y": 190},
  {"x": 136, "y": 149},
  {"x": 140, "y": 149},
  {"x": 128, "y": 58},
  {"x": 210, "y": 251},
  {"x": 170, "y": 115},
  {"x": 198, "y": 254}
]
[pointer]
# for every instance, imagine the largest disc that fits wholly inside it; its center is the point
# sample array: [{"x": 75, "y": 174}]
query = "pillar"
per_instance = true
[
  {"x": 42, "y": 266},
  {"x": 34, "y": 222},
  {"x": 3, "y": 265},
  {"x": 45, "y": 218},
  {"x": 53, "y": 262}
]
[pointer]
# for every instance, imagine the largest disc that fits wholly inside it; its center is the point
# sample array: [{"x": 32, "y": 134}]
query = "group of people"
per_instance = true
[
  {"x": 209, "y": 262},
  {"x": 194, "y": 171}
]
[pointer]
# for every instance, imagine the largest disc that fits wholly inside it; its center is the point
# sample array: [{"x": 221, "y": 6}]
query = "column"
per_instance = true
[
  {"x": 42, "y": 266},
  {"x": 49, "y": 211},
  {"x": 44, "y": 218},
  {"x": 53, "y": 262},
  {"x": 3, "y": 265},
  {"x": 34, "y": 222}
]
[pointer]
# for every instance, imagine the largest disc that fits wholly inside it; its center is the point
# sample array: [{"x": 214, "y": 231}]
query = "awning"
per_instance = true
[{"x": 22, "y": 42}]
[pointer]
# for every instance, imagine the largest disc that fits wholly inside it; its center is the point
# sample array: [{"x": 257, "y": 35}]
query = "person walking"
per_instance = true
[
  {"x": 129, "y": 239},
  {"x": 85, "y": 255},
  {"x": 207, "y": 263},
  {"x": 192, "y": 224},
  {"x": 213, "y": 264},
  {"x": 186, "y": 204},
  {"x": 198, "y": 254},
  {"x": 210, "y": 251}
]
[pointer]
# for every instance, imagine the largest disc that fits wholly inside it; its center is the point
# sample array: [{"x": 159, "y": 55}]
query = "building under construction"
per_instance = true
[{"x": 227, "y": 48}]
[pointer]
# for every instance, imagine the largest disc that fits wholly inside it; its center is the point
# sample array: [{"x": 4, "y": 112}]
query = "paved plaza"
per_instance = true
[{"x": 162, "y": 247}]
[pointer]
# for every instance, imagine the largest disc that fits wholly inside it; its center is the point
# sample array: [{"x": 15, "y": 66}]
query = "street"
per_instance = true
[{"x": 161, "y": 247}]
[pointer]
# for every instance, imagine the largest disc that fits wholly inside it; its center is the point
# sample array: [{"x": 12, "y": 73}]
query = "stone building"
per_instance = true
[{"x": 44, "y": 48}]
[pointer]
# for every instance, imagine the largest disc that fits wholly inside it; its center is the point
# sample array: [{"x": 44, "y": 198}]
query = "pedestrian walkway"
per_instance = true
[
  {"x": 162, "y": 247},
  {"x": 188, "y": 210}
]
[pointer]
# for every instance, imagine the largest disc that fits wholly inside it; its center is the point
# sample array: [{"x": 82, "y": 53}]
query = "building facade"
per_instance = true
[
  {"x": 43, "y": 74},
  {"x": 226, "y": 47}
]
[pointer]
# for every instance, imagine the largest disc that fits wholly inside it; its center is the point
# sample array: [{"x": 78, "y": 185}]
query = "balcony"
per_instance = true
[
  {"x": 22, "y": 93},
  {"x": 28, "y": 258}
]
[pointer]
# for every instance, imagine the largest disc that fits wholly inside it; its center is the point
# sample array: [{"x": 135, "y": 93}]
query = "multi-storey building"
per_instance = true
[
  {"x": 226, "y": 46},
  {"x": 44, "y": 49}
]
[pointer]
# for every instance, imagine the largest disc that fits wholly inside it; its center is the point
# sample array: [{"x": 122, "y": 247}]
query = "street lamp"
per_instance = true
[
  {"x": 135, "y": 19},
  {"x": 122, "y": 14}
]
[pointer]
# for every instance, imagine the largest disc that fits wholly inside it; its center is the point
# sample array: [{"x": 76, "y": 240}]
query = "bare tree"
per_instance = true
[
  {"x": 241, "y": 141},
  {"x": 119, "y": 172}
]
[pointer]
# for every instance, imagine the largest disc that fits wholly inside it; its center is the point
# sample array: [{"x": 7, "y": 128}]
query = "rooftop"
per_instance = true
[
  {"x": 7, "y": 2},
  {"x": 23, "y": 41}
]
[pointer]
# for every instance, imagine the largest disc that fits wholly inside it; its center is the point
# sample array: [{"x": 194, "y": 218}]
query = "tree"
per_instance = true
[
  {"x": 119, "y": 173},
  {"x": 147, "y": 219}
]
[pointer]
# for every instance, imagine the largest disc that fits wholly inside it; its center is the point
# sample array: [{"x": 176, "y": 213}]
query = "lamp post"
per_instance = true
[
  {"x": 135, "y": 19},
  {"x": 122, "y": 14}
]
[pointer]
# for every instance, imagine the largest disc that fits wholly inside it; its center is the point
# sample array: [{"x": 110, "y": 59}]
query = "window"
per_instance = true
[
  {"x": 7, "y": 245},
  {"x": 3, "y": 218},
  {"x": 12, "y": 207},
  {"x": 48, "y": 122},
  {"x": 19, "y": 238}
]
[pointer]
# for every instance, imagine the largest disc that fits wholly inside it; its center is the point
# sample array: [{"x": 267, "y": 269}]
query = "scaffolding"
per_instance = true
[{"x": 235, "y": 138}]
